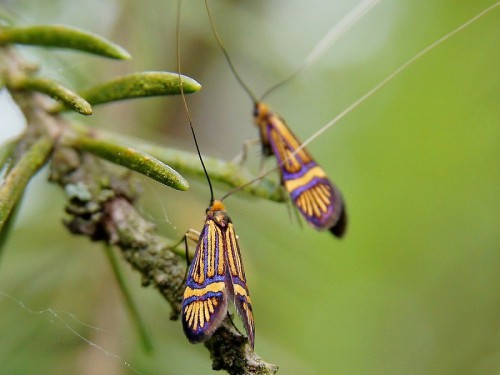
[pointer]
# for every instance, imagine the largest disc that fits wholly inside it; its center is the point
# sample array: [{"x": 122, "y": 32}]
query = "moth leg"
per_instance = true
[
  {"x": 241, "y": 158},
  {"x": 230, "y": 318},
  {"x": 192, "y": 235},
  {"x": 262, "y": 164},
  {"x": 293, "y": 208}
]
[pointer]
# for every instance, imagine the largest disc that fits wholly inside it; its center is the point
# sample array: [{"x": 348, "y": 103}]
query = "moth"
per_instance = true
[
  {"x": 216, "y": 277},
  {"x": 316, "y": 197}
]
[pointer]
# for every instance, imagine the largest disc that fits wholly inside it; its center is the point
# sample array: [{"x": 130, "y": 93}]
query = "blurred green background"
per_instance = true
[{"x": 414, "y": 288}]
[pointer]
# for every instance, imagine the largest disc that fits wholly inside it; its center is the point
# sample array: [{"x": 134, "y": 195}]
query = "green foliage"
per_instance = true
[
  {"x": 19, "y": 175},
  {"x": 62, "y": 37},
  {"x": 138, "y": 85},
  {"x": 131, "y": 159},
  {"x": 53, "y": 89},
  {"x": 48, "y": 128}
]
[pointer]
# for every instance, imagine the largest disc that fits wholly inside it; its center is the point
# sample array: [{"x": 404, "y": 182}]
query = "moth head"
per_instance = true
[
  {"x": 216, "y": 206},
  {"x": 260, "y": 112}
]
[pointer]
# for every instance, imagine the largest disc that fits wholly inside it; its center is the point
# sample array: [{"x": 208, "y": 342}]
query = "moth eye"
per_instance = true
[{"x": 257, "y": 110}]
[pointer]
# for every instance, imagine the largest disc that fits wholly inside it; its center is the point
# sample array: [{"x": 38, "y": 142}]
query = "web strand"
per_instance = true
[{"x": 59, "y": 316}]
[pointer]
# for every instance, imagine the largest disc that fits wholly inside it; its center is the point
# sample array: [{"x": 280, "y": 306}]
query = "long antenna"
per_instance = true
[
  {"x": 226, "y": 55},
  {"x": 178, "y": 35},
  {"x": 327, "y": 40},
  {"x": 371, "y": 92},
  {"x": 391, "y": 76},
  {"x": 318, "y": 50}
]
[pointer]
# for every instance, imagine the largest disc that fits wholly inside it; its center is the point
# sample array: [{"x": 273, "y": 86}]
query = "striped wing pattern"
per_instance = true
[
  {"x": 318, "y": 200},
  {"x": 215, "y": 276}
]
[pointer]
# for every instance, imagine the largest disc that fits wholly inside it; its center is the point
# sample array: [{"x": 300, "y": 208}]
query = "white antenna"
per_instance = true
[{"x": 327, "y": 40}]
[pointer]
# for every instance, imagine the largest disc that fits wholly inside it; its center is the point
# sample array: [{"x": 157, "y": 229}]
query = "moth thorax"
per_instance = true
[
  {"x": 221, "y": 218},
  {"x": 218, "y": 212}
]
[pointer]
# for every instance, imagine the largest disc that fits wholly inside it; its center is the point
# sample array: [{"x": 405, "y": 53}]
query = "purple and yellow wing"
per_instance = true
[
  {"x": 205, "y": 299},
  {"x": 215, "y": 276},
  {"x": 317, "y": 199},
  {"x": 240, "y": 293}
]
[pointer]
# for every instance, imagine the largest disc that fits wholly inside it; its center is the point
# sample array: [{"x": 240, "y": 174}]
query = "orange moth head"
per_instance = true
[{"x": 260, "y": 112}]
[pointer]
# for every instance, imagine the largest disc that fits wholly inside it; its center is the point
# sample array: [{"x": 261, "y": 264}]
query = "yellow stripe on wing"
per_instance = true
[
  {"x": 314, "y": 172},
  {"x": 200, "y": 312},
  {"x": 213, "y": 287},
  {"x": 238, "y": 289}
]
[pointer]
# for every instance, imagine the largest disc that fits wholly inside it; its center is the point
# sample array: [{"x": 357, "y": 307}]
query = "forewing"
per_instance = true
[
  {"x": 239, "y": 289},
  {"x": 204, "y": 304},
  {"x": 317, "y": 199}
]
